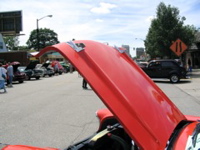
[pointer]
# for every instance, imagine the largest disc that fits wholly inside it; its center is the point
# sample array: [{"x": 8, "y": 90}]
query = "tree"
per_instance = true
[
  {"x": 45, "y": 38},
  {"x": 11, "y": 42},
  {"x": 167, "y": 27},
  {"x": 23, "y": 48}
]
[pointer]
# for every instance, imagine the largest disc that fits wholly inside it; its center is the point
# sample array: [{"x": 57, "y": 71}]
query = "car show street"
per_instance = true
[{"x": 57, "y": 112}]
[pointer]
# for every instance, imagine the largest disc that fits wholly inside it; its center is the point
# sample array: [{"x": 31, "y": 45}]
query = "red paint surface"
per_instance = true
[{"x": 146, "y": 113}]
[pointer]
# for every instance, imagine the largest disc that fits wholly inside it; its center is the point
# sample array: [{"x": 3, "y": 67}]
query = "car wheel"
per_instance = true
[
  {"x": 37, "y": 78},
  {"x": 174, "y": 78},
  {"x": 21, "y": 81}
]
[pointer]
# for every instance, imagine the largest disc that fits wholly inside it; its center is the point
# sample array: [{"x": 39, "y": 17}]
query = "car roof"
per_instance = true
[{"x": 145, "y": 112}]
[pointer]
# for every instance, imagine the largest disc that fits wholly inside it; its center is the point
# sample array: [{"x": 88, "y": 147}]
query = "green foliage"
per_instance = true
[
  {"x": 11, "y": 42},
  {"x": 167, "y": 27},
  {"x": 23, "y": 48},
  {"x": 46, "y": 37}
]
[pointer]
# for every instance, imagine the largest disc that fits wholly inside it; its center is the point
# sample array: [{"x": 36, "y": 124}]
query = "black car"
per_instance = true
[
  {"x": 165, "y": 69},
  {"x": 32, "y": 72}
]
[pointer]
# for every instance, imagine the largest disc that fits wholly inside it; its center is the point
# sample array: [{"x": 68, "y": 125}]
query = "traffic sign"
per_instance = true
[{"x": 178, "y": 47}]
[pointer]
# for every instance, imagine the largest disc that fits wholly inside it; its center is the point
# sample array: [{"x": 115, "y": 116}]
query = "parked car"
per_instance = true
[
  {"x": 18, "y": 75},
  {"x": 32, "y": 72},
  {"x": 139, "y": 115},
  {"x": 165, "y": 69},
  {"x": 60, "y": 67},
  {"x": 65, "y": 66},
  {"x": 41, "y": 69},
  {"x": 49, "y": 70}
]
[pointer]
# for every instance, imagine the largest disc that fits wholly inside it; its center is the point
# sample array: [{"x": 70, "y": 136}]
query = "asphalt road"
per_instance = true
[{"x": 56, "y": 111}]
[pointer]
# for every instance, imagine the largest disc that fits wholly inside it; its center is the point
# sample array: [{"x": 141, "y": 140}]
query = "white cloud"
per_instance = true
[
  {"x": 99, "y": 20},
  {"x": 104, "y": 8}
]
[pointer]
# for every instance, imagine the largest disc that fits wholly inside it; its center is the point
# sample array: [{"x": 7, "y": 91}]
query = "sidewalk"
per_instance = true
[
  {"x": 195, "y": 73},
  {"x": 192, "y": 88}
]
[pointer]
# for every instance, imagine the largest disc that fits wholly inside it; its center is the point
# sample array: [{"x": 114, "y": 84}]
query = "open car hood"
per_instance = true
[
  {"x": 45, "y": 65},
  {"x": 146, "y": 113},
  {"x": 15, "y": 65},
  {"x": 32, "y": 65}
]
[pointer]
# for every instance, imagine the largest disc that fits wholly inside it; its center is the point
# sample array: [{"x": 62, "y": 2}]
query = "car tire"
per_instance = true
[
  {"x": 37, "y": 78},
  {"x": 21, "y": 81},
  {"x": 174, "y": 78}
]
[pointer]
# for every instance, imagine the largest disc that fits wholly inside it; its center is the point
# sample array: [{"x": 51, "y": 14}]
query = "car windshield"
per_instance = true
[
  {"x": 168, "y": 64},
  {"x": 21, "y": 69}
]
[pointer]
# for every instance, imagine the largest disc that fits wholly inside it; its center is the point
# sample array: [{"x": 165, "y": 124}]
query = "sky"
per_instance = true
[{"x": 117, "y": 22}]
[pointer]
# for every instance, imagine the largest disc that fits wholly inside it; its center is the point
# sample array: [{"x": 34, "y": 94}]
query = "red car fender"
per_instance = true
[
  {"x": 192, "y": 118},
  {"x": 23, "y": 147},
  {"x": 104, "y": 116}
]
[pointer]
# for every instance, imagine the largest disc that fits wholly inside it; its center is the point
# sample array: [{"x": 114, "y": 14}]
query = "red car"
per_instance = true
[
  {"x": 139, "y": 115},
  {"x": 18, "y": 75},
  {"x": 60, "y": 67}
]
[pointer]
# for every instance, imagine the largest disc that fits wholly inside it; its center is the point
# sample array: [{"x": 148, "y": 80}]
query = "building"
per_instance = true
[
  {"x": 140, "y": 52},
  {"x": 127, "y": 47},
  {"x": 193, "y": 53},
  {"x": 19, "y": 56}
]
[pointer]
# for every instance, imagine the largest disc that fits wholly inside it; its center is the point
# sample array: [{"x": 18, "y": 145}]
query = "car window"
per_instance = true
[
  {"x": 21, "y": 69},
  {"x": 168, "y": 64},
  {"x": 154, "y": 65}
]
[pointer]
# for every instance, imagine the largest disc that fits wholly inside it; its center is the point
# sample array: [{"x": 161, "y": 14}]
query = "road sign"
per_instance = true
[{"x": 178, "y": 47}]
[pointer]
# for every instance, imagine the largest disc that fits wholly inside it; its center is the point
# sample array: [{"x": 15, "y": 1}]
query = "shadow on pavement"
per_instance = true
[{"x": 168, "y": 82}]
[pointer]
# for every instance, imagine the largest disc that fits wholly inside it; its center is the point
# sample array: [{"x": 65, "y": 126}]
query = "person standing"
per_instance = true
[
  {"x": 71, "y": 68},
  {"x": 189, "y": 65},
  {"x": 84, "y": 85},
  {"x": 2, "y": 77},
  {"x": 10, "y": 74},
  {"x": 56, "y": 68}
]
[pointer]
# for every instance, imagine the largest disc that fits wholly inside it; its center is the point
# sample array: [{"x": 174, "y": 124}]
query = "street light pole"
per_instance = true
[
  {"x": 139, "y": 39},
  {"x": 145, "y": 55},
  {"x": 38, "y": 39}
]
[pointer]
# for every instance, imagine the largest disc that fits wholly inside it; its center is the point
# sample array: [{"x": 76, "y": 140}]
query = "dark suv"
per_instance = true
[{"x": 165, "y": 69}]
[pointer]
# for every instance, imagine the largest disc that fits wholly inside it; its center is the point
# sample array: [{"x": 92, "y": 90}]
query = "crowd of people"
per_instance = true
[{"x": 6, "y": 74}]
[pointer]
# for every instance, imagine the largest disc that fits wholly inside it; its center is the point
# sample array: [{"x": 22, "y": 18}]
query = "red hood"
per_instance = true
[{"x": 146, "y": 113}]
